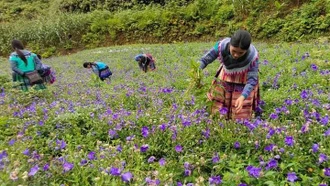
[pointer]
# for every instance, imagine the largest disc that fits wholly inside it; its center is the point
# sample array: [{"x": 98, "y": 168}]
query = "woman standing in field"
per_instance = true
[
  {"x": 25, "y": 66},
  {"x": 146, "y": 62},
  {"x": 235, "y": 91}
]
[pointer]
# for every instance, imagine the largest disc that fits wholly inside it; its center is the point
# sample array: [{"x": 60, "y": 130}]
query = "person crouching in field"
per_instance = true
[
  {"x": 235, "y": 89},
  {"x": 46, "y": 72},
  {"x": 25, "y": 66},
  {"x": 100, "y": 69},
  {"x": 146, "y": 62}
]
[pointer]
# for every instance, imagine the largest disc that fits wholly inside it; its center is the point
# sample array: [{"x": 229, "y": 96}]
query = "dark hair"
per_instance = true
[
  {"x": 241, "y": 39},
  {"x": 17, "y": 45},
  {"x": 86, "y": 64},
  {"x": 39, "y": 56}
]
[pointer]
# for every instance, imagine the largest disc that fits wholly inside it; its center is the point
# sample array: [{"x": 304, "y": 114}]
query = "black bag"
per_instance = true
[{"x": 34, "y": 77}]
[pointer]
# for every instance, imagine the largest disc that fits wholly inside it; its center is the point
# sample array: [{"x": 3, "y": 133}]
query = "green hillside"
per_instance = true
[{"x": 64, "y": 26}]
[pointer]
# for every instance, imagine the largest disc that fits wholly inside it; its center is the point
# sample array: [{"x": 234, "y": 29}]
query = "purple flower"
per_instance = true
[
  {"x": 253, "y": 171},
  {"x": 223, "y": 110},
  {"x": 323, "y": 158},
  {"x": 273, "y": 116},
  {"x": 327, "y": 172},
  {"x": 314, "y": 67},
  {"x": 305, "y": 128},
  {"x": 46, "y": 167},
  {"x": 11, "y": 142},
  {"x": 91, "y": 155},
  {"x": 323, "y": 184},
  {"x": 187, "y": 172},
  {"x": 162, "y": 162},
  {"x": 152, "y": 182},
  {"x": 272, "y": 164},
  {"x": 127, "y": 177},
  {"x": 242, "y": 184},
  {"x": 3, "y": 154},
  {"x": 216, "y": 180},
  {"x": 145, "y": 131},
  {"x": 327, "y": 133},
  {"x": 144, "y": 148},
  {"x": 26, "y": 152},
  {"x": 206, "y": 133},
  {"x": 115, "y": 171},
  {"x": 237, "y": 145},
  {"x": 304, "y": 94},
  {"x": 269, "y": 147},
  {"x": 162, "y": 127},
  {"x": 60, "y": 144},
  {"x": 113, "y": 134},
  {"x": 33, "y": 170},
  {"x": 67, "y": 166},
  {"x": 130, "y": 138},
  {"x": 178, "y": 148},
  {"x": 288, "y": 102},
  {"x": 292, "y": 177},
  {"x": 187, "y": 165},
  {"x": 215, "y": 158},
  {"x": 151, "y": 159},
  {"x": 83, "y": 162},
  {"x": 315, "y": 147},
  {"x": 289, "y": 141},
  {"x": 119, "y": 148},
  {"x": 324, "y": 120}
]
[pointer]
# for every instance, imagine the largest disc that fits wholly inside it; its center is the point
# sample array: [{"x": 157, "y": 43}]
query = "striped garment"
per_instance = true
[
  {"x": 230, "y": 84},
  {"x": 24, "y": 83},
  {"x": 224, "y": 95}
]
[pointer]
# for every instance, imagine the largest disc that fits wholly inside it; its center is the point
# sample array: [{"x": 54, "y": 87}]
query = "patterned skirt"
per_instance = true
[
  {"x": 224, "y": 95},
  {"x": 24, "y": 83}
]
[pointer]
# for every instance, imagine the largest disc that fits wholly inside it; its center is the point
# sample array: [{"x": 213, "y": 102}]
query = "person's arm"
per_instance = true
[
  {"x": 95, "y": 69},
  {"x": 14, "y": 67},
  {"x": 252, "y": 80},
  {"x": 37, "y": 62},
  {"x": 209, "y": 57}
]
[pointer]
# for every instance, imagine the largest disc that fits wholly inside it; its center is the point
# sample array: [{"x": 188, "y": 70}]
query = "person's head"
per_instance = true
[
  {"x": 138, "y": 58},
  {"x": 39, "y": 56},
  {"x": 87, "y": 65},
  {"x": 17, "y": 45},
  {"x": 239, "y": 43}
]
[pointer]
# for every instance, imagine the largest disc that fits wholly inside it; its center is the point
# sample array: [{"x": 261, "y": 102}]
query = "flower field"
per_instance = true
[{"x": 148, "y": 129}]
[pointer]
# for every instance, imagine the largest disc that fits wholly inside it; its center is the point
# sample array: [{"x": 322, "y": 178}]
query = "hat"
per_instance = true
[{"x": 138, "y": 57}]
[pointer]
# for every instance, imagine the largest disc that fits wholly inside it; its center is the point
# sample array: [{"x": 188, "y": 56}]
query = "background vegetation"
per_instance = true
[{"x": 63, "y": 26}]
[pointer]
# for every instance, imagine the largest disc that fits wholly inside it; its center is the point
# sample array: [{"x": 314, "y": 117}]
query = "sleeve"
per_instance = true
[
  {"x": 13, "y": 65},
  {"x": 37, "y": 62},
  {"x": 96, "y": 70},
  {"x": 209, "y": 57},
  {"x": 252, "y": 80}
]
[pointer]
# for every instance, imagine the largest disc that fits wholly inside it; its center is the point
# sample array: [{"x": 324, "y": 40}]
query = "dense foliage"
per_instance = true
[
  {"x": 52, "y": 27},
  {"x": 154, "y": 128}
]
